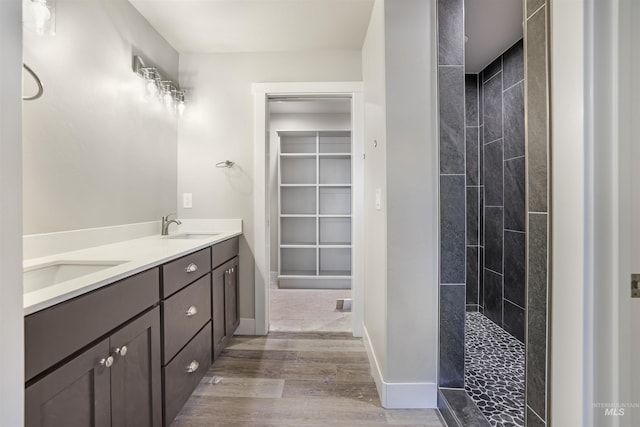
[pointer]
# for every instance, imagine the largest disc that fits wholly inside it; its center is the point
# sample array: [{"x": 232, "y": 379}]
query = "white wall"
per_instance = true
[
  {"x": 569, "y": 377},
  {"x": 218, "y": 125},
  {"x": 401, "y": 248},
  {"x": 95, "y": 153},
  {"x": 375, "y": 171},
  {"x": 11, "y": 318},
  {"x": 278, "y": 122}
]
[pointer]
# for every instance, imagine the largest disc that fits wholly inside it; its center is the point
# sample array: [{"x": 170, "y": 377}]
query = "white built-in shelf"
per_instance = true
[{"x": 314, "y": 177}]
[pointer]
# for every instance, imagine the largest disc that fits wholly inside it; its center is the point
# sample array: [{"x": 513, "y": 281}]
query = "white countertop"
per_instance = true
[{"x": 139, "y": 254}]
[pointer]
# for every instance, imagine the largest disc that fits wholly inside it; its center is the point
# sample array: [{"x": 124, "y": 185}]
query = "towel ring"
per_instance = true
[{"x": 38, "y": 82}]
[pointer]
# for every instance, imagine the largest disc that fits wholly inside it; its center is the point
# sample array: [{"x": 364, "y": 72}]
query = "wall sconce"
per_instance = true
[
  {"x": 40, "y": 16},
  {"x": 157, "y": 87}
]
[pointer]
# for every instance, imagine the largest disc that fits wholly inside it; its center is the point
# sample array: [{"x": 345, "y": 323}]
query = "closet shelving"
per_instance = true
[{"x": 314, "y": 194}]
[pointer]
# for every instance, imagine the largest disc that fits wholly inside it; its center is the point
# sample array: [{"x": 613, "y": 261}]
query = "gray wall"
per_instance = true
[
  {"x": 451, "y": 88},
  {"x": 538, "y": 140},
  {"x": 401, "y": 160},
  {"x": 95, "y": 153},
  {"x": 11, "y": 313},
  {"x": 496, "y": 207}
]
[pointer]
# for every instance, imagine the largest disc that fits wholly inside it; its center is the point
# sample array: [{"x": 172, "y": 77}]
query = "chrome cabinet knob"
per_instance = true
[
  {"x": 192, "y": 311},
  {"x": 193, "y": 366},
  {"x": 191, "y": 268},
  {"x": 122, "y": 351},
  {"x": 108, "y": 362}
]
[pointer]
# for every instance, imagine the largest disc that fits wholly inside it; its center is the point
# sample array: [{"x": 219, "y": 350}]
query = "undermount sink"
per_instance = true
[
  {"x": 44, "y": 275},
  {"x": 190, "y": 236}
]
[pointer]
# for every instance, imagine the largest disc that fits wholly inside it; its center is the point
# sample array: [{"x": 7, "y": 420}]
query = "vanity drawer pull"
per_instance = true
[
  {"x": 191, "y": 268},
  {"x": 192, "y": 311},
  {"x": 193, "y": 366},
  {"x": 108, "y": 362},
  {"x": 122, "y": 351}
]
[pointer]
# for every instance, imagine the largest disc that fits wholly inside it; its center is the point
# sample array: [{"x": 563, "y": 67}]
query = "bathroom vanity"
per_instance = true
[{"x": 131, "y": 352}]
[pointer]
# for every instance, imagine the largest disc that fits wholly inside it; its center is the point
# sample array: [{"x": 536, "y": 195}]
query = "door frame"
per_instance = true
[{"x": 261, "y": 94}]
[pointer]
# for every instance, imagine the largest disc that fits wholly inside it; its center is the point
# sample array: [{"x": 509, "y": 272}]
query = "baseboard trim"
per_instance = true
[
  {"x": 247, "y": 327},
  {"x": 399, "y": 395}
]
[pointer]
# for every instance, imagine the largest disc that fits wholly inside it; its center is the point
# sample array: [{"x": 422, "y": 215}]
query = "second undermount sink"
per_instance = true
[
  {"x": 190, "y": 236},
  {"x": 44, "y": 275}
]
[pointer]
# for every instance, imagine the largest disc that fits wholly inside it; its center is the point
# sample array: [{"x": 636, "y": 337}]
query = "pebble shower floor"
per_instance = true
[{"x": 494, "y": 371}]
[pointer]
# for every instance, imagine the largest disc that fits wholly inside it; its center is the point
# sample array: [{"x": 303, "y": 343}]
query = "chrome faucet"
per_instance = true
[{"x": 166, "y": 222}]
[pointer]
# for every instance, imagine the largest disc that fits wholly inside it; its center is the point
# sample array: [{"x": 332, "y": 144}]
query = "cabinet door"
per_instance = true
[
  {"x": 231, "y": 297},
  {"x": 76, "y": 394},
  {"x": 218, "y": 279},
  {"x": 136, "y": 373}
]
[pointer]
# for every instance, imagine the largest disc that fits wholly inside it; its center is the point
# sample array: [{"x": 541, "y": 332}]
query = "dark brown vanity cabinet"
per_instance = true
[
  {"x": 115, "y": 382},
  {"x": 224, "y": 293},
  {"x": 132, "y": 352}
]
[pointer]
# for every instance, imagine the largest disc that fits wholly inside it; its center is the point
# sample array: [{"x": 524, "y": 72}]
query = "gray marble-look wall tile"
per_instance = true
[
  {"x": 452, "y": 141},
  {"x": 472, "y": 275},
  {"x": 536, "y": 111},
  {"x": 514, "y": 194},
  {"x": 480, "y": 102},
  {"x": 514, "y": 121},
  {"x": 515, "y": 267},
  {"x": 452, "y": 229},
  {"x": 450, "y": 32},
  {"x": 471, "y": 99},
  {"x": 492, "y": 69},
  {"x": 513, "y": 320},
  {"x": 493, "y": 231},
  {"x": 452, "y": 318},
  {"x": 493, "y": 173},
  {"x": 481, "y": 279},
  {"x": 473, "y": 157},
  {"x": 536, "y": 345},
  {"x": 532, "y": 420},
  {"x": 533, "y": 5},
  {"x": 492, "y": 99},
  {"x": 481, "y": 154},
  {"x": 472, "y": 215},
  {"x": 493, "y": 296},
  {"x": 513, "y": 65},
  {"x": 481, "y": 216}
]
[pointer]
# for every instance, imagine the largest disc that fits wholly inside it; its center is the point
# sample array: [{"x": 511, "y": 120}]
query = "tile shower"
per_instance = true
[{"x": 500, "y": 242}]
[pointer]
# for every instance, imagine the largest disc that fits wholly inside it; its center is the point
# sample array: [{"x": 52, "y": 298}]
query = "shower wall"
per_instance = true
[{"x": 495, "y": 166}]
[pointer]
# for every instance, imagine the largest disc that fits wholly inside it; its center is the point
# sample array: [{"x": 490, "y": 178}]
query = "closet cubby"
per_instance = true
[{"x": 314, "y": 203}]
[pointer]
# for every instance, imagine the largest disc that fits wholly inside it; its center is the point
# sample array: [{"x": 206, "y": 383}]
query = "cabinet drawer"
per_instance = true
[
  {"x": 184, "y": 314},
  {"x": 224, "y": 251},
  {"x": 179, "y": 273},
  {"x": 179, "y": 382},
  {"x": 59, "y": 331}
]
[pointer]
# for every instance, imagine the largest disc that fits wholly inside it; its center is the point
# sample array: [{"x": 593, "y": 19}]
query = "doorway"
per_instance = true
[
  {"x": 267, "y": 219},
  {"x": 310, "y": 214}
]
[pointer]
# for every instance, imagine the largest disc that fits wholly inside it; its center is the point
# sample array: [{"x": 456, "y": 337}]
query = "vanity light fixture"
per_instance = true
[
  {"x": 40, "y": 16},
  {"x": 157, "y": 87}
]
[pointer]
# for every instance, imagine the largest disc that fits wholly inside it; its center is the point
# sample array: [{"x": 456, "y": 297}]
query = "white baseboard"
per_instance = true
[
  {"x": 399, "y": 395},
  {"x": 247, "y": 327}
]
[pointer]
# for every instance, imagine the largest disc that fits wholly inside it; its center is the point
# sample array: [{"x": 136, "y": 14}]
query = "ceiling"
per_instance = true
[
  {"x": 492, "y": 27},
  {"x": 208, "y": 26},
  {"x": 211, "y": 26}
]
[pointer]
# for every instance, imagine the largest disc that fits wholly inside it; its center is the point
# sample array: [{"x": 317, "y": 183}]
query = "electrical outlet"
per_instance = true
[
  {"x": 378, "y": 199},
  {"x": 187, "y": 200}
]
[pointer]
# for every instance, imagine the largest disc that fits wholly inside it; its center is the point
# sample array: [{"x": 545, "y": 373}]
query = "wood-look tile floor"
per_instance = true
[{"x": 294, "y": 379}]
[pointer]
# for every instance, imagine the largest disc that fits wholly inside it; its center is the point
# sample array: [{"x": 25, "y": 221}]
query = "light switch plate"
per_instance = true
[
  {"x": 187, "y": 200},
  {"x": 378, "y": 199}
]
